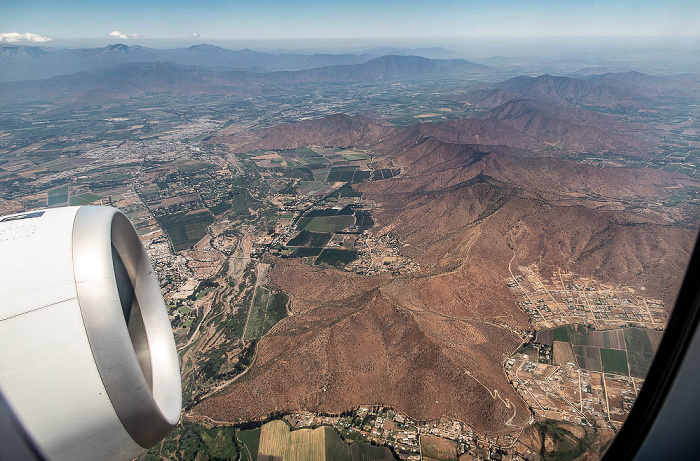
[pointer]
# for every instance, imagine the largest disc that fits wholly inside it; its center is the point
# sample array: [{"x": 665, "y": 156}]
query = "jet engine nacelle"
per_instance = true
[{"x": 88, "y": 362}]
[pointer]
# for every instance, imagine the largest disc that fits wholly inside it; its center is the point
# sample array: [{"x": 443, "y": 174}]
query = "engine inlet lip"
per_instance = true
[{"x": 147, "y": 412}]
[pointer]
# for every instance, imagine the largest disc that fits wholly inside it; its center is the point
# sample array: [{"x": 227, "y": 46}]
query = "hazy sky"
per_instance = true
[{"x": 134, "y": 21}]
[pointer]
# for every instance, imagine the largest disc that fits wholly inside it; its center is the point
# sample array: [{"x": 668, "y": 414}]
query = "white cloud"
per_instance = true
[
  {"x": 194, "y": 35},
  {"x": 122, "y": 36},
  {"x": 14, "y": 37},
  {"x": 117, "y": 34}
]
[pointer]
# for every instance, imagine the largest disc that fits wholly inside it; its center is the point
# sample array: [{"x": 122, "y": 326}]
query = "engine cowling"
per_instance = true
[{"x": 88, "y": 362}]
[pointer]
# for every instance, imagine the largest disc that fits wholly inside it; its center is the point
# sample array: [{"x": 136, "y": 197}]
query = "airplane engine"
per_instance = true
[{"x": 88, "y": 363}]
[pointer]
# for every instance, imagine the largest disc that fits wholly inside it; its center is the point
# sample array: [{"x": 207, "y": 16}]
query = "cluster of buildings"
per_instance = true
[
  {"x": 383, "y": 425},
  {"x": 564, "y": 300},
  {"x": 380, "y": 255}
]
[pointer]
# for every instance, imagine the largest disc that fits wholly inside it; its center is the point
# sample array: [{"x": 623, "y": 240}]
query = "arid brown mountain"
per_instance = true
[
  {"x": 572, "y": 129},
  {"x": 522, "y": 124},
  {"x": 333, "y": 130},
  {"x": 627, "y": 91},
  {"x": 539, "y": 126},
  {"x": 431, "y": 343}
]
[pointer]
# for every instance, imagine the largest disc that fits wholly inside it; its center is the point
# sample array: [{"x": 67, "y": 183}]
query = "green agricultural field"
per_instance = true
[
  {"x": 186, "y": 228},
  {"x": 58, "y": 196},
  {"x": 579, "y": 340},
  {"x": 326, "y": 150},
  {"x": 187, "y": 166},
  {"x": 329, "y": 223},
  {"x": 639, "y": 351},
  {"x": 368, "y": 452},
  {"x": 310, "y": 239},
  {"x": 84, "y": 199},
  {"x": 303, "y": 252},
  {"x": 353, "y": 155},
  {"x": 561, "y": 334},
  {"x": 336, "y": 258},
  {"x": 310, "y": 185},
  {"x": 614, "y": 361},
  {"x": 268, "y": 308},
  {"x": 249, "y": 441},
  {"x": 336, "y": 448}
]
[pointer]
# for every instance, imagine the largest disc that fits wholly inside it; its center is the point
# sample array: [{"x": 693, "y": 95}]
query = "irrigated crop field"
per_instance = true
[
  {"x": 268, "y": 308},
  {"x": 604, "y": 350},
  {"x": 336, "y": 258},
  {"x": 614, "y": 361},
  {"x": 58, "y": 196},
  {"x": 310, "y": 239},
  {"x": 249, "y": 441},
  {"x": 329, "y": 223},
  {"x": 320, "y": 444},
  {"x": 186, "y": 228}
]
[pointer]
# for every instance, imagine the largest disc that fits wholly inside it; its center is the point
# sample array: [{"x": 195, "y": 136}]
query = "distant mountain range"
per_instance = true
[
  {"x": 536, "y": 125},
  {"x": 134, "y": 79},
  {"x": 629, "y": 90},
  {"x": 20, "y": 62}
]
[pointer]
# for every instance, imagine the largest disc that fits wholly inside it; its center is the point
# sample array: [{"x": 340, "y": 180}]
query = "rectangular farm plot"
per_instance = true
[
  {"x": 655, "y": 338},
  {"x": 275, "y": 437},
  {"x": 348, "y": 174},
  {"x": 385, "y": 174},
  {"x": 303, "y": 252},
  {"x": 588, "y": 358},
  {"x": 614, "y": 361},
  {"x": 545, "y": 337},
  {"x": 561, "y": 334},
  {"x": 310, "y": 239},
  {"x": 58, "y": 196},
  {"x": 366, "y": 452},
  {"x": 277, "y": 442},
  {"x": 329, "y": 223},
  {"x": 336, "y": 258},
  {"x": 563, "y": 353},
  {"x": 639, "y": 351},
  {"x": 308, "y": 187},
  {"x": 353, "y": 155},
  {"x": 84, "y": 199},
  {"x": 307, "y": 444},
  {"x": 186, "y": 228}
]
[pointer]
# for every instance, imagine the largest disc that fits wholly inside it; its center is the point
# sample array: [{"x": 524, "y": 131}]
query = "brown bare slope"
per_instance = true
[
  {"x": 432, "y": 343},
  {"x": 570, "y": 128},
  {"x": 333, "y": 130},
  {"x": 371, "y": 349}
]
